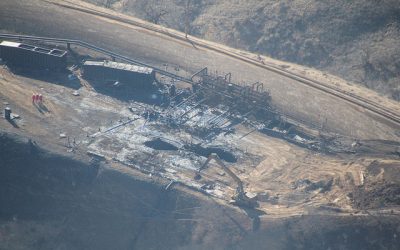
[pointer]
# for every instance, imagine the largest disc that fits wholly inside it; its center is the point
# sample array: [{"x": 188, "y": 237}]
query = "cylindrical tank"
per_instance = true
[{"x": 7, "y": 113}]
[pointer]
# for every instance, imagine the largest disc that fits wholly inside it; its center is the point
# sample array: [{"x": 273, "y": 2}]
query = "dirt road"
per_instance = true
[{"x": 40, "y": 18}]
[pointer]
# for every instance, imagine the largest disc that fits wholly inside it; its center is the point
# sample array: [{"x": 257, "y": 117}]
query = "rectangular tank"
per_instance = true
[
  {"x": 121, "y": 72},
  {"x": 32, "y": 57}
]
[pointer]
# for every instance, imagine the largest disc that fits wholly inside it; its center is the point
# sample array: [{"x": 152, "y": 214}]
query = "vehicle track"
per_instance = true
[{"x": 337, "y": 92}]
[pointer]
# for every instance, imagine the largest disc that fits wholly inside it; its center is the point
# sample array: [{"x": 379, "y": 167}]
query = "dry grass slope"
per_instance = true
[{"x": 357, "y": 40}]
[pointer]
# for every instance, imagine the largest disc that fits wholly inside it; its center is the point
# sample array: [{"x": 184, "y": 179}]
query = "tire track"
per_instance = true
[{"x": 337, "y": 92}]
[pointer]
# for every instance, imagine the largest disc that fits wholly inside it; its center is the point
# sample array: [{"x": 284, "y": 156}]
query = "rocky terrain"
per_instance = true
[{"x": 356, "y": 40}]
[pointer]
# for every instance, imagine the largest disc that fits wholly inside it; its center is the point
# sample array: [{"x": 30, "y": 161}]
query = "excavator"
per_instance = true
[{"x": 240, "y": 198}]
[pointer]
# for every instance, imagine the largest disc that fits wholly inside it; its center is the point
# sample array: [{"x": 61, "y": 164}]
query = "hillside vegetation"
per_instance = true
[{"x": 357, "y": 40}]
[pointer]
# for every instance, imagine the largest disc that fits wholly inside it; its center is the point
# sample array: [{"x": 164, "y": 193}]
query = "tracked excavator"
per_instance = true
[{"x": 240, "y": 198}]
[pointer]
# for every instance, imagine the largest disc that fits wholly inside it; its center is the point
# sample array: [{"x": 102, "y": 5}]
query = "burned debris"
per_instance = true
[
  {"x": 209, "y": 106},
  {"x": 176, "y": 124}
]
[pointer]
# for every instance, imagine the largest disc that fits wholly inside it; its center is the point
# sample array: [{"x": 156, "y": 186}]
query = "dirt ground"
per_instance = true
[
  {"x": 298, "y": 190},
  {"x": 292, "y": 179},
  {"x": 289, "y": 181},
  {"x": 302, "y": 102}
]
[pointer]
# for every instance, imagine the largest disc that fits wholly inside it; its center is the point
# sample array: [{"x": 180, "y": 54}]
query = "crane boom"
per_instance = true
[{"x": 240, "y": 197}]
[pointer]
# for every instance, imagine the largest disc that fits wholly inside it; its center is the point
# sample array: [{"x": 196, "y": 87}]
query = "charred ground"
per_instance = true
[{"x": 105, "y": 171}]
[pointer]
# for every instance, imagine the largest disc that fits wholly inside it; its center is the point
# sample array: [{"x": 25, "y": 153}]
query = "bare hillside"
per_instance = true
[{"x": 357, "y": 40}]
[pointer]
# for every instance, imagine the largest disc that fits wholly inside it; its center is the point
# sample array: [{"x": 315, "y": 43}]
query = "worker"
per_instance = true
[
  {"x": 40, "y": 98},
  {"x": 33, "y": 98}
]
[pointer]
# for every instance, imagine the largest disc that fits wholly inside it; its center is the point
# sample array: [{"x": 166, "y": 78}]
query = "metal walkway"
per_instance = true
[{"x": 94, "y": 48}]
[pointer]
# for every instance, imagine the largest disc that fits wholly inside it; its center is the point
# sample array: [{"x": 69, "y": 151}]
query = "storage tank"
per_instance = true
[
  {"x": 7, "y": 113},
  {"x": 32, "y": 57},
  {"x": 121, "y": 72}
]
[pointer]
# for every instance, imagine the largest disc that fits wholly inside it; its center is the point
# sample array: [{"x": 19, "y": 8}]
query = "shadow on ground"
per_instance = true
[{"x": 60, "y": 78}]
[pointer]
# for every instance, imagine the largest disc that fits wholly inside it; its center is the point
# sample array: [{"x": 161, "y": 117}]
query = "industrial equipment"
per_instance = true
[
  {"x": 121, "y": 72},
  {"x": 240, "y": 198},
  {"x": 32, "y": 57}
]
